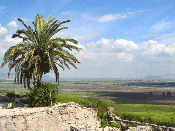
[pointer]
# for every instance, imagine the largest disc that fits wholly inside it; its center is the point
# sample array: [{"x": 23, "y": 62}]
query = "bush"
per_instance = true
[
  {"x": 13, "y": 105},
  {"x": 115, "y": 124},
  {"x": 41, "y": 97},
  {"x": 131, "y": 117},
  {"x": 147, "y": 120},
  {"x": 11, "y": 94},
  {"x": 103, "y": 124},
  {"x": 128, "y": 126},
  {"x": 51, "y": 111},
  {"x": 167, "y": 124}
]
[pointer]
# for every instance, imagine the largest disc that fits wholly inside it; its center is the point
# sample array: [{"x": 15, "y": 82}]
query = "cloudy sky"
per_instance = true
[{"x": 120, "y": 39}]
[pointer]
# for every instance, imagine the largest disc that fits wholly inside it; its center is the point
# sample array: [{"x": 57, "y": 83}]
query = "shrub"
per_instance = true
[
  {"x": 115, "y": 124},
  {"x": 13, "y": 105},
  {"x": 131, "y": 117},
  {"x": 41, "y": 97},
  {"x": 147, "y": 120},
  {"x": 167, "y": 124},
  {"x": 123, "y": 116},
  {"x": 11, "y": 94},
  {"x": 128, "y": 126},
  {"x": 103, "y": 124},
  {"x": 51, "y": 111},
  {"x": 116, "y": 112}
]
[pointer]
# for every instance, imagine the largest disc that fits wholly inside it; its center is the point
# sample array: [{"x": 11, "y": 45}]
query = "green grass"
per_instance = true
[
  {"x": 147, "y": 113},
  {"x": 82, "y": 93},
  {"x": 160, "y": 113}
]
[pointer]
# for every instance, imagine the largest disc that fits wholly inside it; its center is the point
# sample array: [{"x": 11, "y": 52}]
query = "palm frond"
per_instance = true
[
  {"x": 30, "y": 31},
  {"x": 39, "y": 52}
]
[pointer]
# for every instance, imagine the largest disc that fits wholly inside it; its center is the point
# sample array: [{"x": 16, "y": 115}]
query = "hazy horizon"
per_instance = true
[{"x": 49, "y": 78}]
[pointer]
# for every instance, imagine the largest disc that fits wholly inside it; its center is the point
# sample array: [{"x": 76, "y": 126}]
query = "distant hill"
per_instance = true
[{"x": 165, "y": 76}]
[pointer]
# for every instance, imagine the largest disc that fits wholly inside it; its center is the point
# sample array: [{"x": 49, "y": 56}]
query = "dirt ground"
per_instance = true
[{"x": 131, "y": 95}]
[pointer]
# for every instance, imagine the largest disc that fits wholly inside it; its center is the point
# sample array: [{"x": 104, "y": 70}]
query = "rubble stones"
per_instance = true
[{"x": 40, "y": 118}]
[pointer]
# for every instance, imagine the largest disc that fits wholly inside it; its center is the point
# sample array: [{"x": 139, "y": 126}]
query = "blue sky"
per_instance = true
[{"x": 120, "y": 39}]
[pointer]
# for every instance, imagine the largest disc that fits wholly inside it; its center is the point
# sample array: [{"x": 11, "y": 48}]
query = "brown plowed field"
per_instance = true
[{"x": 132, "y": 95}]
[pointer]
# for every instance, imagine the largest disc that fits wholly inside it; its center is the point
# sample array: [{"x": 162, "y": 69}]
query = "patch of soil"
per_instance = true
[{"x": 131, "y": 95}]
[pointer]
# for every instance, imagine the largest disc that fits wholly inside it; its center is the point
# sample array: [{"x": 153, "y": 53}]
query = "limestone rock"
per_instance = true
[{"x": 61, "y": 118}]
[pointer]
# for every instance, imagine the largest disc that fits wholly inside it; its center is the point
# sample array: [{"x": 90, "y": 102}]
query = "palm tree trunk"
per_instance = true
[{"x": 58, "y": 77}]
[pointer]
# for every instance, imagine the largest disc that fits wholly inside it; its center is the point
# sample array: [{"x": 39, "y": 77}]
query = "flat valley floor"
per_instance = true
[{"x": 130, "y": 95}]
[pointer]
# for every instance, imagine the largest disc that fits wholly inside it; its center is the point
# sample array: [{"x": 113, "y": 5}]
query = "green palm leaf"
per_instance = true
[{"x": 39, "y": 51}]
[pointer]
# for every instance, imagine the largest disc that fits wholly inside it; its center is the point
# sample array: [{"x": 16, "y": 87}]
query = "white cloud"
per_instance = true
[
  {"x": 5, "y": 40},
  {"x": 161, "y": 26},
  {"x": 3, "y": 31},
  {"x": 88, "y": 55},
  {"x": 108, "y": 45},
  {"x": 131, "y": 13},
  {"x": 5, "y": 43},
  {"x": 111, "y": 17},
  {"x": 68, "y": 13},
  {"x": 125, "y": 51},
  {"x": 77, "y": 35},
  {"x": 89, "y": 17},
  {"x": 84, "y": 36},
  {"x": 154, "y": 48},
  {"x": 125, "y": 57},
  {"x": 166, "y": 38},
  {"x": 91, "y": 45},
  {"x": 78, "y": 45},
  {"x": 125, "y": 45},
  {"x": 2, "y": 50},
  {"x": 101, "y": 50},
  {"x": 9, "y": 40},
  {"x": 105, "y": 18},
  {"x": 104, "y": 41},
  {"x": 84, "y": 33},
  {"x": 107, "y": 49},
  {"x": 12, "y": 26}
]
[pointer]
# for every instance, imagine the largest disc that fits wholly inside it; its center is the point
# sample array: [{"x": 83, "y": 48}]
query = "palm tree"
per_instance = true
[{"x": 39, "y": 51}]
